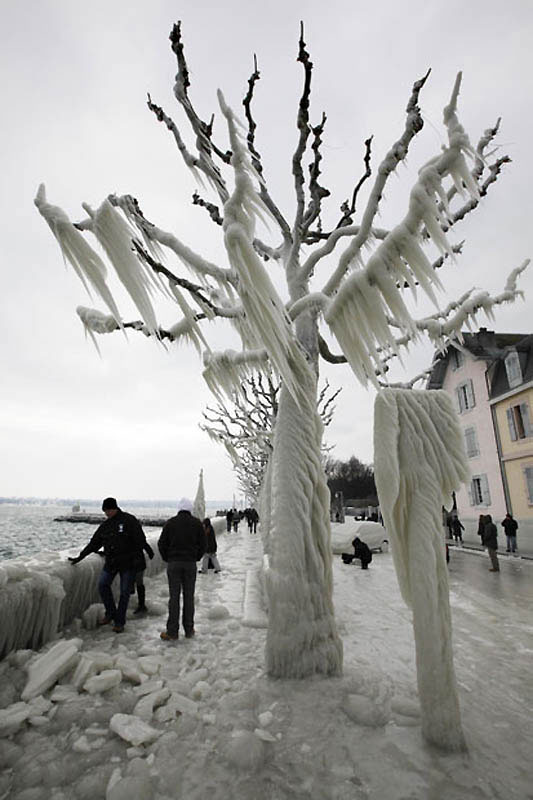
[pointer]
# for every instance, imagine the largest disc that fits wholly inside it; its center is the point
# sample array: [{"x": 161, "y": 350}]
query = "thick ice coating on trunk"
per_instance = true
[
  {"x": 419, "y": 460},
  {"x": 302, "y": 637}
]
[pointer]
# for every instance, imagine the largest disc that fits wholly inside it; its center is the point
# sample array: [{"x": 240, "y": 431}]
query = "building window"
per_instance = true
[
  {"x": 471, "y": 442},
  {"x": 528, "y": 474},
  {"x": 519, "y": 422},
  {"x": 512, "y": 368},
  {"x": 457, "y": 359},
  {"x": 479, "y": 491},
  {"x": 465, "y": 396}
]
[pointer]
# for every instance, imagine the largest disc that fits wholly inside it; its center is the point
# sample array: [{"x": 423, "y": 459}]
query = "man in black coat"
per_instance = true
[
  {"x": 510, "y": 526},
  {"x": 182, "y": 543},
  {"x": 123, "y": 540}
]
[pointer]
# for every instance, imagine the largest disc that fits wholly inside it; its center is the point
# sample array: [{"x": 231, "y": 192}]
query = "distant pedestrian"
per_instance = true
[
  {"x": 457, "y": 528},
  {"x": 510, "y": 526},
  {"x": 229, "y": 520},
  {"x": 490, "y": 541},
  {"x": 123, "y": 540},
  {"x": 362, "y": 551},
  {"x": 481, "y": 526},
  {"x": 254, "y": 519},
  {"x": 210, "y": 548},
  {"x": 181, "y": 544},
  {"x": 235, "y": 519}
]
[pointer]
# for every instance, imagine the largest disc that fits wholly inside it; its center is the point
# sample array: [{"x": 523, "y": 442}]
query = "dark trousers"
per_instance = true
[
  {"x": 127, "y": 577},
  {"x": 181, "y": 579}
]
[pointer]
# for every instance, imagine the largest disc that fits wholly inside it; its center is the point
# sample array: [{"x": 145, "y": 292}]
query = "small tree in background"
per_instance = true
[{"x": 246, "y": 426}]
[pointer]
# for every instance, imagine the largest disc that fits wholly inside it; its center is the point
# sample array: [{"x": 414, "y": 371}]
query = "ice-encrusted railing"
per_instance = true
[{"x": 41, "y": 595}]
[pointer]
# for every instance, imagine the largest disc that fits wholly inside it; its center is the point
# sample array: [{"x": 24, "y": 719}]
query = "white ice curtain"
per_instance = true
[{"x": 419, "y": 460}]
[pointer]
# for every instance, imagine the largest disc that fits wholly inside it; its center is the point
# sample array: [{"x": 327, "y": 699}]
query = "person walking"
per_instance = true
[
  {"x": 210, "y": 548},
  {"x": 254, "y": 517},
  {"x": 182, "y": 543},
  {"x": 490, "y": 541},
  {"x": 457, "y": 528},
  {"x": 138, "y": 583},
  {"x": 122, "y": 538},
  {"x": 229, "y": 520},
  {"x": 235, "y": 519},
  {"x": 510, "y": 526}
]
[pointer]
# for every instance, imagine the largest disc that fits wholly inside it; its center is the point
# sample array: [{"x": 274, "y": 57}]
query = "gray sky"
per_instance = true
[{"x": 75, "y": 117}]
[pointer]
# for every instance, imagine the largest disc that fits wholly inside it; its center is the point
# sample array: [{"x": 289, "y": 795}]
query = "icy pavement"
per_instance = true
[{"x": 140, "y": 719}]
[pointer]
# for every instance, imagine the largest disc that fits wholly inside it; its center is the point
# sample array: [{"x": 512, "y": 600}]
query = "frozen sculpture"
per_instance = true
[{"x": 361, "y": 304}]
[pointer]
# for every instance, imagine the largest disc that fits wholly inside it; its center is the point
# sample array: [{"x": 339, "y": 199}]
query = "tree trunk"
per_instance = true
[{"x": 302, "y": 638}]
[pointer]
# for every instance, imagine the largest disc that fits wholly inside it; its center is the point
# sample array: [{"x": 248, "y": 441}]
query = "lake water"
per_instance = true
[{"x": 29, "y": 529}]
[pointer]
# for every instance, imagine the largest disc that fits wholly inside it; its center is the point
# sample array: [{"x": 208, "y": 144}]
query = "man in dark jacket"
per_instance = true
[
  {"x": 510, "y": 526},
  {"x": 123, "y": 540},
  {"x": 182, "y": 543},
  {"x": 490, "y": 541}
]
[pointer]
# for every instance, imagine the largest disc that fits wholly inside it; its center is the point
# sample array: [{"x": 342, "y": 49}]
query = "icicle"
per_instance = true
[
  {"x": 115, "y": 236},
  {"x": 265, "y": 313},
  {"x": 87, "y": 264},
  {"x": 194, "y": 332}
]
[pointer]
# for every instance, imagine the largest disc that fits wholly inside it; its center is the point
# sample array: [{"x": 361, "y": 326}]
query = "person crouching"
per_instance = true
[{"x": 362, "y": 551}]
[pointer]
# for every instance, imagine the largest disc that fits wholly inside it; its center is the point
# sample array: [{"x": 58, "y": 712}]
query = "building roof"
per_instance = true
[
  {"x": 497, "y": 374},
  {"x": 485, "y": 345}
]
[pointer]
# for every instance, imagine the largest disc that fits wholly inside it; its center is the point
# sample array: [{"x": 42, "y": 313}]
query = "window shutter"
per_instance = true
[
  {"x": 485, "y": 490},
  {"x": 471, "y": 493},
  {"x": 512, "y": 426},
  {"x": 524, "y": 410},
  {"x": 459, "y": 400},
  {"x": 529, "y": 482},
  {"x": 470, "y": 394}
]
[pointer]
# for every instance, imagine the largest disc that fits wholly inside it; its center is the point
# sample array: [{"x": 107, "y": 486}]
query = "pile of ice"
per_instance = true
[{"x": 39, "y": 596}]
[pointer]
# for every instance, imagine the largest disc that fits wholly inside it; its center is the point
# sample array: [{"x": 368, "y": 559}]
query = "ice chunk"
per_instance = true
[
  {"x": 150, "y": 664},
  {"x": 86, "y": 667},
  {"x": 91, "y": 616},
  {"x": 101, "y": 660},
  {"x": 45, "y": 670},
  {"x": 40, "y": 705},
  {"x": 12, "y": 717},
  {"x": 365, "y": 711},
  {"x": 148, "y": 687},
  {"x": 132, "y": 729},
  {"x": 217, "y": 612},
  {"x": 61, "y": 694},
  {"x": 104, "y": 681},
  {"x": 265, "y": 718},
  {"x": 245, "y": 752},
  {"x": 183, "y": 704},
  {"x": 145, "y": 706},
  {"x": 129, "y": 669},
  {"x": 81, "y": 745},
  {"x": 265, "y": 736}
]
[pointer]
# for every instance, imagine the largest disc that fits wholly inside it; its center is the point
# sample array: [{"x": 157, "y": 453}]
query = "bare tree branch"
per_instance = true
[
  {"x": 211, "y": 208},
  {"x": 317, "y": 192},
  {"x": 256, "y": 157},
  {"x": 348, "y": 209},
  {"x": 413, "y": 124}
]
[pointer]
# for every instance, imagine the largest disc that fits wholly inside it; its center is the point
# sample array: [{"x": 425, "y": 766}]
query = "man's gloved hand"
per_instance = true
[{"x": 74, "y": 560}]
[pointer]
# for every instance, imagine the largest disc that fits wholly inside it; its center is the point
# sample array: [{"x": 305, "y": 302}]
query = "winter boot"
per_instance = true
[{"x": 141, "y": 594}]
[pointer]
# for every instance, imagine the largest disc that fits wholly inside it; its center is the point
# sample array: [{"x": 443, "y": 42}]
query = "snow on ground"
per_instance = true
[{"x": 133, "y": 717}]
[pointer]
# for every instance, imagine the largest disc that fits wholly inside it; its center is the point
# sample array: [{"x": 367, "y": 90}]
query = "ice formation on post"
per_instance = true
[
  {"x": 198, "y": 508},
  {"x": 419, "y": 460}
]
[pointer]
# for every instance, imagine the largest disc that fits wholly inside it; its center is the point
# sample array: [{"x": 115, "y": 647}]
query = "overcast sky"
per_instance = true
[{"x": 75, "y": 117}]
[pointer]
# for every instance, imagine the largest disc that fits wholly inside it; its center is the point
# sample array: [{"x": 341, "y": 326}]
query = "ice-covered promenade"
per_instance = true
[{"x": 132, "y": 717}]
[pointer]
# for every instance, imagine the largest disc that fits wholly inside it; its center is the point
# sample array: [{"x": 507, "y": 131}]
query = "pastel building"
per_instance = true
[
  {"x": 467, "y": 371},
  {"x": 511, "y": 400}
]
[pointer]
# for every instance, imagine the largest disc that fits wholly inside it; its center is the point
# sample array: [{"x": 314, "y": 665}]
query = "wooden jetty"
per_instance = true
[{"x": 97, "y": 519}]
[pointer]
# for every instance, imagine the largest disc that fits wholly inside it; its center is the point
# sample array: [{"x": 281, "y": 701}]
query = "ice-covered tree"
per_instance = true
[
  {"x": 198, "y": 508},
  {"x": 361, "y": 304},
  {"x": 245, "y": 426}
]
